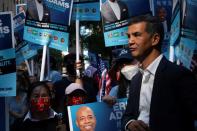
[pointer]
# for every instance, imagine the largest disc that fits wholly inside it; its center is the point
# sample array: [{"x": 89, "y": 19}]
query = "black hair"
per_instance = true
[
  {"x": 153, "y": 25},
  {"x": 36, "y": 84}
]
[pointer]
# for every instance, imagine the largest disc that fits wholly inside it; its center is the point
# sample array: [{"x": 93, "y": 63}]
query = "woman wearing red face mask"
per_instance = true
[{"x": 41, "y": 117}]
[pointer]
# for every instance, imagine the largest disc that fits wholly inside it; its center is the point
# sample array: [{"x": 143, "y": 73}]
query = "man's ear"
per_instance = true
[{"x": 155, "y": 39}]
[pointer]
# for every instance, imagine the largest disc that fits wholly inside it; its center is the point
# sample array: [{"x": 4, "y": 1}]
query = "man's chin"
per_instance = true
[{"x": 88, "y": 128}]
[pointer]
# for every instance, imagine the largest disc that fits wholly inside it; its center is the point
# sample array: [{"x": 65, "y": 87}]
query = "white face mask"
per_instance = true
[{"x": 129, "y": 71}]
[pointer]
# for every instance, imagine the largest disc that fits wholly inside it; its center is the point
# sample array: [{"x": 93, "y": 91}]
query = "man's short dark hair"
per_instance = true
[{"x": 153, "y": 26}]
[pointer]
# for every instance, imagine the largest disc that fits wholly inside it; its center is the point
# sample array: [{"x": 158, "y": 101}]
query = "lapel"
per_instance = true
[
  {"x": 34, "y": 10},
  {"x": 135, "y": 93},
  {"x": 158, "y": 82},
  {"x": 112, "y": 14}
]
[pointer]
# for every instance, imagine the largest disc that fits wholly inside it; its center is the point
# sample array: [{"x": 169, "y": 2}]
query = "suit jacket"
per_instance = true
[
  {"x": 32, "y": 12},
  {"x": 174, "y": 99},
  {"x": 109, "y": 15}
]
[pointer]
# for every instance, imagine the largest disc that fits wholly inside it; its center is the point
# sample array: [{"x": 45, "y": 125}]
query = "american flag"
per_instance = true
[{"x": 105, "y": 80}]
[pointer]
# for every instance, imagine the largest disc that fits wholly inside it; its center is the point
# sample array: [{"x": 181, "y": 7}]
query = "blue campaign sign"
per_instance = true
[
  {"x": 86, "y": 11},
  {"x": 6, "y": 31},
  {"x": 176, "y": 25},
  {"x": 105, "y": 117},
  {"x": 116, "y": 37},
  {"x": 115, "y": 24},
  {"x": 24, "y": 52},
  {"x": 7, "y": 72},
  {"x": 163, "y": 9},
  {"x": 19, "y": 22},
  {"x": 7, "y": 56},
  {"x": 185, "y": 51},
  {"x": 190, "y": 20},
  {"x": 175, "y": 29},
  {"x": 56, "y": 39},
  {"x": 52, "y": 27}
]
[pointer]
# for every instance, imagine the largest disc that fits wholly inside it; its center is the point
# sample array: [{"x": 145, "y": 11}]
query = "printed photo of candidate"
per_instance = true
[
  {"x": 189, "y": 18},
  {"x": 38, "y": 11},
  {"x": 21, "y": 8},
  {"x": 85, "y": 119},
  {"x": 114, "y": 10}
]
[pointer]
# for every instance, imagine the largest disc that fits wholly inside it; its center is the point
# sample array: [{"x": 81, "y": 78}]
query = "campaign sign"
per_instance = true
[
  {"x": 7, "y": 72},
  {"x": 185, "y": 51},
  {"x": 7, "y": 56},
  {"x": 98, "y": 115},
  {"x": 24, "y": 52},
  {"x": 52, "y": 27},
  {"x": 115, "y": 20},
  {"x": 163, "y": 10},
  {"x": 19, "y": 22},
  {"x": 6, "y": 31},
  {"x": 175, "y": 29},
  {"x": 21, "y": 8},
  {"x": 189, "y": 17},
  {"x": 86, "y": 11}
]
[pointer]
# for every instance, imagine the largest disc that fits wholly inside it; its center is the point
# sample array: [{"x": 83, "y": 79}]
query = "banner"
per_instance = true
[
  {"x": 116, "y": 18},
  {"x": 98, "y": 115},
  {"x": 86, "y": 10},
  {"x": 51, "y": 25},
  {"x": 7, "y": 56}
]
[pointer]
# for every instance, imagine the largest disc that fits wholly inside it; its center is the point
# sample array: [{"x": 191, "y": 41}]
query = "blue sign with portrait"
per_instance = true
[
  {"x": 19, "y": 22},
  {"x": 190, "y": 20},
  {"x": 103, "y": 116},
  {"x": 51, "y": 27},
  {"x": 115, "y": 18}
]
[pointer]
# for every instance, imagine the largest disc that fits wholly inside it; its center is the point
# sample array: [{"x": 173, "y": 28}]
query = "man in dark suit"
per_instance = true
[
  {"x": 165, "y": 97},
  {"x": 37, "y": 10},
  {"x": 114, "y": 10}
]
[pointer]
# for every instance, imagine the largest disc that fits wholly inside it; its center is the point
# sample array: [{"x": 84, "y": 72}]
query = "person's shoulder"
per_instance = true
[
  {"x": 177, "y": 69},
  {"x": 121, "y": 3}
]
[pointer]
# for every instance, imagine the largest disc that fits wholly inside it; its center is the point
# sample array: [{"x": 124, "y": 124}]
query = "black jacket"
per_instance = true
[{"x": 174, "y": 99}]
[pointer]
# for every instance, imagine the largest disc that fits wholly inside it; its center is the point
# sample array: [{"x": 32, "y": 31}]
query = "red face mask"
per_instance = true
[
  {"x": 40, "y": 104},
  {"x": 75, "y": 100}
]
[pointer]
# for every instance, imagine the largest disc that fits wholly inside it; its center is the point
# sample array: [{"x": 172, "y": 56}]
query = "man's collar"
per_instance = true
[{"x": 152, "y": 67}]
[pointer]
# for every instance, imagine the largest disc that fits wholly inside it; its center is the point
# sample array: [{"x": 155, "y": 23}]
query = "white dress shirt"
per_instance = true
[
  {"x": 116, "y": 9},
  {"x": 40, "y": 10},
  {"x": 146, "y": 90}
]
